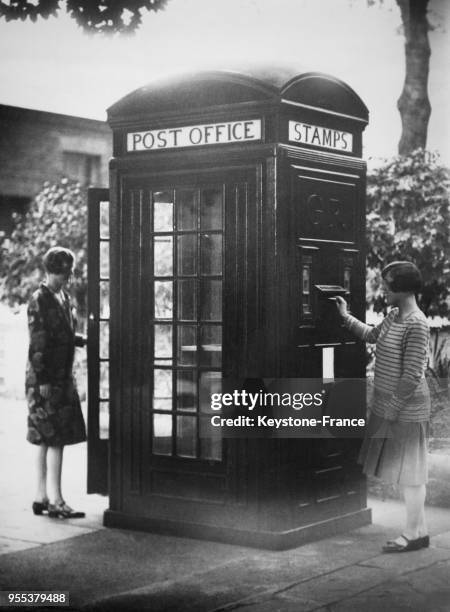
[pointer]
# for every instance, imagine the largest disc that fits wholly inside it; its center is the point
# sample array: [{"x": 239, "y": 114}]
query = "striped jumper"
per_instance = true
[{"x": 401, "y": 360}]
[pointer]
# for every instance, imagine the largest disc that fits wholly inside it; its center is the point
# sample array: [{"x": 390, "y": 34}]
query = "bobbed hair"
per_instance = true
[
  {"x": 59, "y": 260},
  {"x": 404, "y": 277}
]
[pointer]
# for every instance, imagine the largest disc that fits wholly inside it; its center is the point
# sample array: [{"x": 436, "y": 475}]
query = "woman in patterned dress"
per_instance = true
[
  {"x": 55, "y": 418},
  {"x": 395, "y": 445}
]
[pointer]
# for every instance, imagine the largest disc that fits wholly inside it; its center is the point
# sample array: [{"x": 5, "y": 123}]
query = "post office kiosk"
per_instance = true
[{"x": 235, "y": 211}]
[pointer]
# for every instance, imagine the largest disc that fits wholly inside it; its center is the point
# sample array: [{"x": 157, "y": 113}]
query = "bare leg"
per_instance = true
[
  {"x": 54, "y": 462},
  {"x": 414, "y": 497},
  {"x": 41, "y": 473},
  {"x": 415, "y": 511}
]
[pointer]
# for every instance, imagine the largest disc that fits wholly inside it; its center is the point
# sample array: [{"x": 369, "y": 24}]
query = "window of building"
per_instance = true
[{"x": 82, "y": 167}]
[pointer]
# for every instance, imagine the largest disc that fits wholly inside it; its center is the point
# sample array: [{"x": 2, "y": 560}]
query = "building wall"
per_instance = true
[{"x": 37, "y": 146}]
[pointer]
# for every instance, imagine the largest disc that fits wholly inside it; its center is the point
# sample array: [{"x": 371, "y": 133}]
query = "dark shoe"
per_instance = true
[
  {"x": 394, "y": 547},
  {"x": 40, "y": 507},
  {"x": 425, "y": 541},
  {"x": 62, "y": 510}
]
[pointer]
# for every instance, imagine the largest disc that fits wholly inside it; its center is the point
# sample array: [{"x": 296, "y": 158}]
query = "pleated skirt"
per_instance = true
[{"x": 397, "y": 453}]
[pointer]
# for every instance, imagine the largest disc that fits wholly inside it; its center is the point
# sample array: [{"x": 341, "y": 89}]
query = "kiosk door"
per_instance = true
[
  {"x": 98, "y": 339},
  {"x": 178, "y": 287}
]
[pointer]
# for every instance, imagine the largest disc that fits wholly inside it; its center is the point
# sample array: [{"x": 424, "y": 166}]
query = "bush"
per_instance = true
[
  {"x": 408, "y": 217},
  {"x": 57, "y": 216}
]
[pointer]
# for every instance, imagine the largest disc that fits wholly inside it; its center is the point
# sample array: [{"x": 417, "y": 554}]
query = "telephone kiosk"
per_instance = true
[{"x": 235, "y": 212}]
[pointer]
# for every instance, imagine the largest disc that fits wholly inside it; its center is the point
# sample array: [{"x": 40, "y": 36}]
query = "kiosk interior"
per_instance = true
[{"x": 235, "y": 210}]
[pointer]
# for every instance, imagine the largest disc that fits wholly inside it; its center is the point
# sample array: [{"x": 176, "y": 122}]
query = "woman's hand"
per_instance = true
[
  {"x": 45, "y": 390},
  {"x": 341, "y": 305},
  {"x": 80, "y": 340}
]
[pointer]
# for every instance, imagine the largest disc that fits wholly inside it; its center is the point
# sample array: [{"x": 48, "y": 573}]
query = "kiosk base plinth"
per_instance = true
[{"x": 272, "y": 540}]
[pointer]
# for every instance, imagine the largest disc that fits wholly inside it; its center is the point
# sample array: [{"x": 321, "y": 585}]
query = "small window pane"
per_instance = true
[
  {"x": 211, "y": 300},
  {"x": 104, "y": 259},
  {"x": 187, "y": 345},
  {"x": 162, "y": 434},
  {"x": 163, "y": 250},
  {"x": 82, "y": 167},
  {"x": 104, "y": 219},
  {"x": 103, "y": 420},
  {"x": 162, "y": 390},
  {"x": 187, "y": 391},
  {"x": 211, "y": 254},
  {"x": 187, "y": 299},
  {"x": 187, "y": 206},
  {"x": 104, "y": 299},
  {"x": 104, "y": 339},
  {"x": 187, "y": 254},
  {"x": 211, "y": 345},
  {"x": 163, "y": 344},
  {"x": 210, "y": 382},
  {"x": 211, "y": 208},
  {"x": 163, "y": 299},
  {"x": 163, "y": 211},
  {"x": 104, "y": 380},
  {"x": 186, "y": 436}
]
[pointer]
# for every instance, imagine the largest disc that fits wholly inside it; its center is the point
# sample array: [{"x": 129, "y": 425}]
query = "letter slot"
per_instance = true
[
  {"x": 331, "y": 291},
  {"x": 328, "y": 320}
]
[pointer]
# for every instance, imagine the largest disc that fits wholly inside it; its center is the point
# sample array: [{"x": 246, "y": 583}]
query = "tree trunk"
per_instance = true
[{"x": 413, "y": 104}]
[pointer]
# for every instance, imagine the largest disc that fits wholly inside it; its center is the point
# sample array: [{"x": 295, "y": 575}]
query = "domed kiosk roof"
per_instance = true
[{"x": 256, "y": 85}]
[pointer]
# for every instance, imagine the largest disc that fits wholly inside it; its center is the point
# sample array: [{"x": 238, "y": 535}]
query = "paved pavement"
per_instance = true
[{"x": 113, "y": 569}]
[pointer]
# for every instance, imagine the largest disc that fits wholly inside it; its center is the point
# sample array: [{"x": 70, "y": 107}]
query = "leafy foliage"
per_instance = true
[
  {"x": 408, "y": 217},
  {"x": 57, "y": 216},
  {"x": 103, "y": 16}
]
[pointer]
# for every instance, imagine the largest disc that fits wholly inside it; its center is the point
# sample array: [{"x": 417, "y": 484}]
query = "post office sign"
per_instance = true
[{"x": 195, "y": 135}]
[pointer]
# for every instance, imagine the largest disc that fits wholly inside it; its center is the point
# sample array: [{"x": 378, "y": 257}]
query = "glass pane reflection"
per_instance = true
[
  {"x": 104, "y": 339},
  {"x": 187, "y": 299},
  {"x": 104, "y": 219},
  {"x": 162, "y": 390},
  {"x": 162, "y": 434},
  {"x": 163, "y": 211},
  {"x": 211, "y": 208},
  {"x": 163, "y": 251},
  {"x": 163, "y": 344},
  {"x": 163, "y": 299},
  {"x": 186, "y": 436},
  {"x": 104, "y": 380},
  {"x": 187, "y": 345},
  {"x": 211, "y": 254},
  {"x": 104, "y": 259},
  {"x": 211, "y": 345},
  {"x": 211, "y": 300},
  {"x": 187, "y": 390},
  {"x": 210, "y": 382},
  {"x": 187, "y": 205},
  {"x": 104, "y": 299},
  {"x": 187, "y": 254},
  {"x": 103, "y": 420}
]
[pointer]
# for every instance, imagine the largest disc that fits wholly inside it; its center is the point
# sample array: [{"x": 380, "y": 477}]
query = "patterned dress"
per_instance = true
[
  {"x": 58, "y": 420},
  {"x": 396, "y": 450}
]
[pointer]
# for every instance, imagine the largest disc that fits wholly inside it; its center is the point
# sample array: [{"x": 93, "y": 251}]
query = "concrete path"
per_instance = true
[{"x": 111, "y": 569}]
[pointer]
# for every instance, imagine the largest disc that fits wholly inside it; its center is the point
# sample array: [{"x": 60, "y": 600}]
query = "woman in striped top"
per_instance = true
[{"x": 395, "y": 446}]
